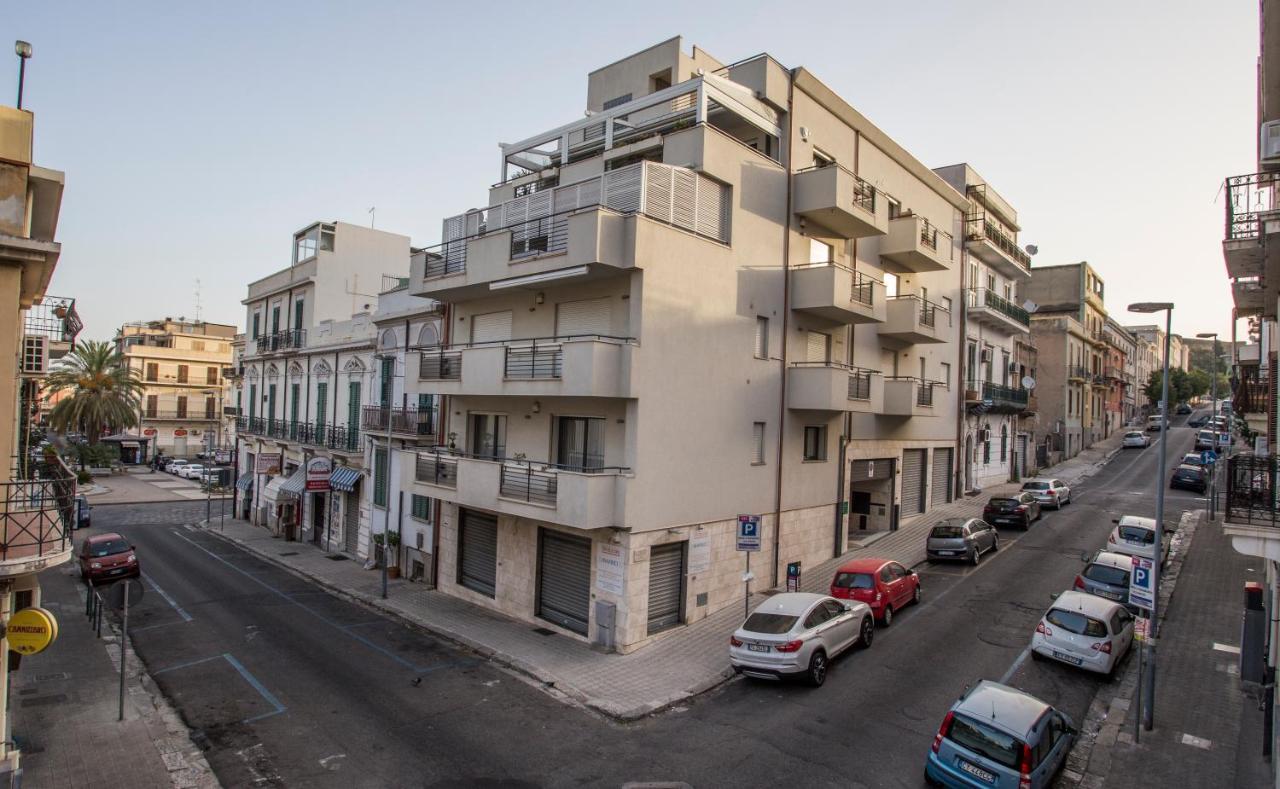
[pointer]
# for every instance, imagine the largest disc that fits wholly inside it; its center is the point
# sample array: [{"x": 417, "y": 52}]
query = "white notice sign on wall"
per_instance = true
[
  {"x": 609, "y": 568},
  {"x": 699, "y": 554}
]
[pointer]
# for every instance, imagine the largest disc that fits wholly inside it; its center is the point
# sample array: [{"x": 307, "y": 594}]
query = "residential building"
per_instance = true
[
  {"x": 1122, "y": 350},
  {"x": 1073, "y": 291},
  {"x": 180, "y": 364},
  {"x": 724, "y": 291},
  {"x": 1032, "y": 452},
  {"x": 38, "y": 497},
  {"x": 996, "y": 272},
  {"x": 1148, "y": 362},
  {"x": 1063, "y": 383},
  {"x": 308, "y": 368}
]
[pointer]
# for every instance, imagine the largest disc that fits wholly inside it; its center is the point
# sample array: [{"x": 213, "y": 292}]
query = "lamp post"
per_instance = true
[
  {"x": 1149, "y": 645},
  {"x": 23, "y": 50},
  {"x": 1213, "y": 471}
]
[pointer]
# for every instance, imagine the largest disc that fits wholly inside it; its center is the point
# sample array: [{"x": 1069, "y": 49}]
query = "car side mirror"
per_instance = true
[
  {"x": 1084, "y": 556},
  {"x": 1053, "y": 595},
  {"x": 847, "y": 606}
]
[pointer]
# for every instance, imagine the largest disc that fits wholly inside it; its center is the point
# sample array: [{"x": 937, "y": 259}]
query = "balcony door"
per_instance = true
[
  {"x": 580, "y": 443},
  {"x": 491, "y": 327},
  {"x": 489, "y": 436},
  {"x": 817, "y": 347}
]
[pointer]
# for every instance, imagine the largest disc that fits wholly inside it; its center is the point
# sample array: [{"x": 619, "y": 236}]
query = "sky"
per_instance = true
[{"x": 196, "y": 138}]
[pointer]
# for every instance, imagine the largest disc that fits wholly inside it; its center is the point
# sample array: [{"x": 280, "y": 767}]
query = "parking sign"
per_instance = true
[
  {"x": 748, "y": 532},
  {"x": 1142, "y": 583}
]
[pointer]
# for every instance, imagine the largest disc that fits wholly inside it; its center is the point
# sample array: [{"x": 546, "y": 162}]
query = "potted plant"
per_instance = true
[
  {"x": 393, "y": 548},
  {"x": 378, "y": 540}
]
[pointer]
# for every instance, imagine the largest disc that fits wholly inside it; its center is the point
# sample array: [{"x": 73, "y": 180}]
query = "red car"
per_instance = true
[
  {"x": 884, "y": 585},
  {"x": 106, "y": 557}
]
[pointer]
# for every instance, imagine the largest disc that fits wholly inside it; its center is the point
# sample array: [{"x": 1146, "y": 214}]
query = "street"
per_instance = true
[{"x": 289, "y": 686}]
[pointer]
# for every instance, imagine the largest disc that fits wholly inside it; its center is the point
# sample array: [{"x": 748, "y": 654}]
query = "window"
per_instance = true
[
  {"x": 817, "y": 616},
  {"x": 815, "y": 442},
  {"x": 197, "y": 345},
  {"x": 152, "y": 400},
  {"x": 253, "y": 400},
  {"x": 275, "y": 319},
  {"x": 991, "y": 283},
  {"x": 295, "y": 395},
  {"x": 762, "y": 337},
  {"x": 821, "y": 159},
  {"x": 757, "y": 443},
  {"x": 1004, "y": 443},
  {"x": 182, "y": 407},
  {"x": 420, "y": 507},
  {"x": 257, "y": 318},
  {"x": 616, "y": 101},
  {"x": 489, "y": 436},
  {"x": 183, "y": 372},
  {"x": 923, "y": 377},
  {"x": 297, "y": 315},
  {"x": 986, "y": 448},
  {"x": 890, "y": 285},
  {"x": 821, "y": 251},
  {"x": 946, "y": 303},
  {"x": 580, "y": 443},
  {"x": 210, "y": 408},
  {"x": 380, "y": 477},
  {"x": 973, "y": 275},
  {"x": 946, "y": 373},
  {"x": 153, "y": 371},
  {"x": 211, "y": 375},
  {"x": 322, "y": 402}
]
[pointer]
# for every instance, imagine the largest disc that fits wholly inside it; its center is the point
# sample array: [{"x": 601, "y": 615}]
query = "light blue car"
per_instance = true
[{"x": 997, "y": 736}]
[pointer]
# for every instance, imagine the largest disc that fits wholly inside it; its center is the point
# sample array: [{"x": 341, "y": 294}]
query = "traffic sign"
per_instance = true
[
  {"x": 1142, "y": 582},
  {"x": 749, "y": 533}
]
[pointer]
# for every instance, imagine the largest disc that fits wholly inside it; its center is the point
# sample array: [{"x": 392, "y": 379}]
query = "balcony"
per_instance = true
[
  {"x": 1099, "y": 380},
  {"x": 1078, "y": 374},
  {"x": 830, "y": 386},
  {"x": 337, "y": 438},
  {"x": 55, "y": 319},
  {"x": 989, "y": 397},
  {"x": 840, "y": 201},
  {"x": 180, "y": 415},
  {"x": 907, "y": 396},
  {"x": 1252, "y": 216},
  {"x": 1033, "y": 404},
  {"x": 569, "y": 496},
  {"x": 1252, "y": 506},
  {"x": 992, "y": 310},
  {"x": 36, "y": 516},
  {"x": 1114, "y": 374},
  {"x": 1250, "y": 299},
  {"x": 1249, "y": 355},
  {"x": 401, "y": 421},
  {"x": 1252, "y": 394},
  {"x": 989, "y": 243},
  {"x": 571, "y": 366},
  {"x": 915, "y": 245},
  {"x": 284, "y": 340},
  {"x": 911, "y": 320},
  {"x": 837, "y": 294}
]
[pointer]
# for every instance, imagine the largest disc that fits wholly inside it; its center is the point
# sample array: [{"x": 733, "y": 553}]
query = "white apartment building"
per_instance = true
[
  {"x": 308, "y": 367},
  {"x": 996, "y": 272},
  {"x": 723, "y": 292}
]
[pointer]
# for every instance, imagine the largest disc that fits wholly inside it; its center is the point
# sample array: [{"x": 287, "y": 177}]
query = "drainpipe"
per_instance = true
[
  {"x": 786, "y": 314},
  {"x": 442, "y": 430},
  {"x": 959, "y": 463}
]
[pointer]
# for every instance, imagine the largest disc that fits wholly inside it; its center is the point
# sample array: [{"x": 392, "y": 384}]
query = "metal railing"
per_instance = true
[
  {"x": 864, "y": 288},
  {"x": 342, "y": 439},
  {"x": 1252, "y": 395},
  {"x": 928, "y": 310},
  {"x": 413, "y": 421},
  {"x": 545, "y": 236},
  {"x": 928, "y": 234},
  {"x": 532, "y": 361},
  {"x": 864, "y": 193},
  {"x": 924, "y": 393},
  {"x": 1077, "y": 371},
  {"x": 37, "y": 515},
  {"x": 522, "y": 481},
  {"x": 255, "y": 425},
  {"x": 54, "y": 318},
  {"x": 980, "y": 228},
  {"x": 1004, "y": 396},
  {"x": 1251, "y": 490},
  {"x": 860, "y": 384},
  {"x": 440, "y": 365},
  {"x": 985, "y": 297},
  {"x": 282, "y": 340},
  {"x": 190, "y": 415},
  {"x": 1248, "y": 198},
  {"x": 437, "y": 467}
]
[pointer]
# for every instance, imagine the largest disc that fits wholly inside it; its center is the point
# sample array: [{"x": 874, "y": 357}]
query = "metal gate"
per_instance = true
[
  {"x": 351, "y": 523},
  {"x": 1022, "y": 455},
  {"x": 564, "y": 580},
  {"x": 941, "y": 476},
  {"x": 478, "y": 551},
  {"x": 666, "y": 586},
  {"x": 913, "y": 468}
]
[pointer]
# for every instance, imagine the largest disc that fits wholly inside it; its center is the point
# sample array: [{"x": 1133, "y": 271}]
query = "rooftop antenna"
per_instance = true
[
  {"x": 372, "y": 215},
  {"x": 197, "y": 300}
]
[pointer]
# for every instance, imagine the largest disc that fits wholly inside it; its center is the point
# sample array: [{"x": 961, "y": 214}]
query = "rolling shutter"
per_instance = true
[
  {"x": 478, "y": 552},
  {"x": 941, "y": 476},
  {"x": 589, "y": 316},
  {"x": 817, "y": 347},
  {"x": 1022, "y": 455},
  {"x": 351, "y": 524},
  {"x": 491, "y": 327},
  {"x": 564, "y": 580},
  {"x": 666, "y": 586},
  {"x": 913, "y": 463}
]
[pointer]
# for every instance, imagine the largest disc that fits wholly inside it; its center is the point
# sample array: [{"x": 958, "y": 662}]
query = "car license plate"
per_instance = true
[
  {"x": 946, "y": 553},
  {"x": 1110, "y": 595},
  {"x": 758, "y": 647},
  {"x": 977, "y": 772},
  {"x": 1072, "y": 659}
]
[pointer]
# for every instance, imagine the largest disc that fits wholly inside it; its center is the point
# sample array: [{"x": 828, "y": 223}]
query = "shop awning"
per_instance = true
[
  {"x": 344, "y": 478},
  {"x": 245, "y": 483},
  {"x": 128, "y": 444},
  {"x": 294, "y": 486}
]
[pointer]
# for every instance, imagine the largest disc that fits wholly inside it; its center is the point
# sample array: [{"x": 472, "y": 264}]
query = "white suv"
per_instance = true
[{"x": 795, "y": 634}]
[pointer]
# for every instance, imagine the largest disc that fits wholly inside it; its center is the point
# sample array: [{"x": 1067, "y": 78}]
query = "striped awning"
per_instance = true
[
  {"x": 295, "y": 485},
  {"x": 245, "y": 483},
  {"x": 344, "y": 478}
]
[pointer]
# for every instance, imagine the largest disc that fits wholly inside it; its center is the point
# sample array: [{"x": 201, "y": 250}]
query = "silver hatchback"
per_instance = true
[{"x": 961, "y": 539}]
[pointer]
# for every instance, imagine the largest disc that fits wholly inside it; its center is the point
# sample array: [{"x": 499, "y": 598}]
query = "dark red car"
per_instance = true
[
  {"x": 884, "y": 585},
  {"x": 106, "y": 557}
]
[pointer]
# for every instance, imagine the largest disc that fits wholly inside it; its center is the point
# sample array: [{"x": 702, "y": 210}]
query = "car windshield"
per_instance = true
[
  {"x": 1191, "y": 460},
  {"x": 1076, "y": 622},
  {"x": 1035, "y": 486},
  {"x": 1133, "y": 435},
  {"x": 1106, "y": 574},
  {"x": 854, "y": 581},
  {"x": 770, "y": 624},
  {"x": 1138, "y": 534},
  {"x": 107, "y": 547},
  {"x": 985, "y": 741},
  {"x": 1003, "y": 503},
  {"x": 947, "y": 531}
]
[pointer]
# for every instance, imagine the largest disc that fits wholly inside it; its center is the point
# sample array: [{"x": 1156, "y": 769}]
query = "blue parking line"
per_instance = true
[
  {"x": 172, "y": 604},
  {"x": 188, "y": 664},
  {"x": 258, "y": 686}
]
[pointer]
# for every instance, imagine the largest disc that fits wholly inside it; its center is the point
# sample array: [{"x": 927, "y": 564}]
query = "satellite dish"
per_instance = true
[
  {"x": 1032, "y": 249},
  {"x": 1028, "y": 382},
  {"x": 1030, "y": 306}
]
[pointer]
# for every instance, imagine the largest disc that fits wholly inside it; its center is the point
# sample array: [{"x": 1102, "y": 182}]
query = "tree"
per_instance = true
[
  {"x": 1199, "y": 381},
  {"x": 1180, "y": 386},
  {"x": 106, "y": 393}
]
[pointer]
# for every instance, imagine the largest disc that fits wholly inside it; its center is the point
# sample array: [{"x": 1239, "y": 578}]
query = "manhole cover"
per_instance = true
[{"x": 337, "y": 557}]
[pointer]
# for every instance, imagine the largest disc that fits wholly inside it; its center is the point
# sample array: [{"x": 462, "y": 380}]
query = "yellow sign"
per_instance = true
[{"x": 31, "y": 630}]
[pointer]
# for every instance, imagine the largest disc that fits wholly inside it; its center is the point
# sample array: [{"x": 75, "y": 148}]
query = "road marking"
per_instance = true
[
  {"x": 1022, "y": 658},
  {"x": 172, "y": 604},
  {"x": 258, "y": 686},
  {"x": 1196, "y": 742},
  {"x": 1226, "y": 648},
  {"x": 325, "y": 761},
  {"x": 188, "y": 664}
]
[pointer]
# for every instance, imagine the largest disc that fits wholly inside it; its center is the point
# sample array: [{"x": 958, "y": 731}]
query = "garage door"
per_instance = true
[
  {"x": 913, "y": 462},
  {"x": 941, "y": 476},
  {"x": 491, "y": 327},
  {"x": 666, "y": 586},
  {"x": 351, "y": 524},
  {"x": 586, "y": 317},
  {"x": 1022, "y": 455},
  {"x": 478, "y": 551},
  {"x": 564, "y": 580}
]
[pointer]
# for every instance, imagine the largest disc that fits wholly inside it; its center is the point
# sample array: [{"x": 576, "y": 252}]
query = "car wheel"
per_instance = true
[
  {"x": 995, "y": 545},
  {"x": 886, "y": 619},
  {"x": 917, "y": 595},
  {"x": 929, "y": 779},
  {"x": 867, "y": 632},
  {"x": 975, "y": 556},
  {"x": 817, "y": 673}
]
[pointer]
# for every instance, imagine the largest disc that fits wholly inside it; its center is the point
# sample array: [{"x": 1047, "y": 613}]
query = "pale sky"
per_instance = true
[{"x": 197, "y": 138}]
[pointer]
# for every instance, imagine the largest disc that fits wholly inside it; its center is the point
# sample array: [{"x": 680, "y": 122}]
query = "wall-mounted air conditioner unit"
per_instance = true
[
  {"x": 1269, "y": 144},
  {"x": 35, "y": 354},
  {"x": 986, "y": 355}
]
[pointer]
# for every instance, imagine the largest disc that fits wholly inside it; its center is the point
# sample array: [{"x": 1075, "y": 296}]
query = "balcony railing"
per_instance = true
[
  {"x": 928, "y": 315},
  {"x": 253, "y": 425},
  {"x": 1004, "y": 396},
  {"x": 522, "y": 481},
  {"x": 860, "y": 384},
  {"x": 1251, "y": 490},
  {"x": 1248, "y": 198},
  {"x": 190, "y": 415},
  {"x": 412, "y": 421},
  {"x": 534, "y": 361},
  {"x": 37, "y": 516},
  {"x": 54, "y": 318},
  {"x": 924, "y": 394},
  {"x": 282, "y": 340},
  {"x": 440, "y": 365},
  {"x": 1077, "y": 371},
  {"x": 1252, "y": 395},
  {"x": 863, "y": 290},
  {"x": 980, "y": 228},
  {"x": 437, "y": 467},
  {"x": 985, "y": 297}
]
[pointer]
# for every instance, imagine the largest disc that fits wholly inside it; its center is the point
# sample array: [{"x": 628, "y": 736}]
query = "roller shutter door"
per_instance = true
[
  {"x": 913, "y": 462},
  {"x": 564, "y": 580},
  {"x": 491, "y": 327},
  {"x": 589, "y": 316},
  {"x": 351, "y": 524},
  {"x": 817, "y": 347},
  {"x": 1022, "y": 455},
  {"x": 478, "y": 552},
  {"x": 666, "y": 586},
  {"x": 941, "y": 476}
]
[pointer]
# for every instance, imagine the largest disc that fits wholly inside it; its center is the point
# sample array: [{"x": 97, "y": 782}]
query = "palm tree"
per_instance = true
[{"x": 106, "y": 392}]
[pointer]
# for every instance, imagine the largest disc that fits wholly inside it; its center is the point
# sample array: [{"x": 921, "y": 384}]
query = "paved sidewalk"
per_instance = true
[{"x": 64, "y": 706}]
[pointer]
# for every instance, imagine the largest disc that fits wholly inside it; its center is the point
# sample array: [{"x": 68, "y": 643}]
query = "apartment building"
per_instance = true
[
  {"x": 996, "y": 271},
  {"x": 308, "y": 368},
  {"x": 1146, "y": 362},
  {"x": 180, "y": 364},
  {"x": 38, "y": 498},
  {"x": 723, "y": 292},
  {"x": 1031, "y": 449},
  {"x": 1122, "y": 350},
  {"x": 1075, "y": 292}
]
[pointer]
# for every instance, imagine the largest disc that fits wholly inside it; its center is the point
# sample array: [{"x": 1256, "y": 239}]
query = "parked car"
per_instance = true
[
  {"x": 1198, "y": 421},
  {"x": 1107, "y": 575},
  {"x": 1154, "y": 423},
  {"x": 174, "y": 464},
  {"x": 1020, "y": 509},
  {"x": 1050, "y": 492},
  {"x": 1136, "y": 438},
  {"x": 1192, "y": 459},
  {"x": 1187, "y": 477},
  {"x": 883, "y": 585},
  {"x": 1183, "y": 409},
  {"x": 1133, "y": 535},
  {"x": 1084, "y": 630},
  {"x": 796, "y": 635},
  {"x": 999, "y": 736},
  {"x": 1205, "y": 440},
  {"x": 83, "y": 513},
  {"x": 960, "y": 539},
  {"x": 191, "y": 470},
  {"x": 106, "y": 557}
]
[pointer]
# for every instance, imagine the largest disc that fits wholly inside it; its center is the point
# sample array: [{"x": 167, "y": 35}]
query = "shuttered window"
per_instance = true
[
  {"x": 491, "y": 327},
  {"x": 253, "y": 400},
  {"x": 762, "y": 337},
  {"x": 757, "y": 443},
  {"x": 322, "y": 403},
  {"x": 420, "y": 507},
  {"x": 380, "y": 477},
  {"x": 153, "y": 371},
  {"x": 817, "y": 347},
  {"x": 585, "y": 317},
  {"x": 815, "y": 442},
  {"x": 353, "y": 406},
  {"x": 182, "y": 407}
]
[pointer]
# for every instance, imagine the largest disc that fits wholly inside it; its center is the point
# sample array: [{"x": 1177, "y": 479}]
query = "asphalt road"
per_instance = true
[{"x": 289, "y": 686}]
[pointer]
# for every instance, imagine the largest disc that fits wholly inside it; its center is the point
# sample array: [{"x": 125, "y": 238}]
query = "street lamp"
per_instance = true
[
  {"x": 23, "y": 50},
  {"x": 1149, "y": 645}
]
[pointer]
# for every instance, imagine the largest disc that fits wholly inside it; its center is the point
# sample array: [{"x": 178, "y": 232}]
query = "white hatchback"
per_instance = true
[
  {"x": 1085, "y": 631},
  {"x": 795, "y": 634},
  {"x": 1136, "y": 438},
  {"x": 1134, "y": 536}
]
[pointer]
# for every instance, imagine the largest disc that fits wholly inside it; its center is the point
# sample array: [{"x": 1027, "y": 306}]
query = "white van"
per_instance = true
[{"x": 1153, "y": 424}]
